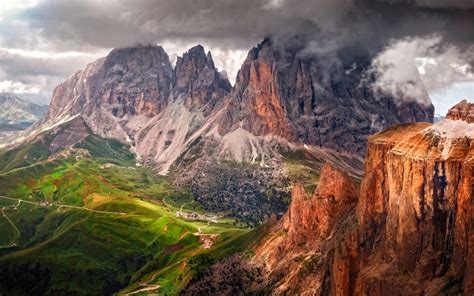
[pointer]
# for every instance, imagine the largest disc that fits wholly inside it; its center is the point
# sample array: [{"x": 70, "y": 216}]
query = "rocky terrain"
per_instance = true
[
  {"x": 185, "y": 119},
  {"x": 408, "y": 233},
  {"x": 282, "y": 96},
  {"x": 284, "y": 91}
]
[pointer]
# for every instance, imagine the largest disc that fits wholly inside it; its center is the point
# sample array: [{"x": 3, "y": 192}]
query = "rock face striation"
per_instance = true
[
  {"x": 187, "y": 118},
  {"x": 412, "y": 229},
  {"x": 284, "y": 91},
  {"x": 415, "y": 209},
  {"x": 300, "y": 247}
]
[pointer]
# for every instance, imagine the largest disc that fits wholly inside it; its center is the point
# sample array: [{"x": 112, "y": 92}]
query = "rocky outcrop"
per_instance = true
[
  {"x": 283, "y": 96},
  {"x": 411, "y": 233},
  {"x": 135, "y": 96},
  {"x": 415, "y": 209},
  {"x": 462, "y": 111},
  {"x": 117, "y": 94},
  {"x": 197, "y": 78},
  {"x": 284, "y": 100},
  {"x": 299, "y": 249},
  {"x": 283, "y": 91},
  {"x": 68, "y": 135}
]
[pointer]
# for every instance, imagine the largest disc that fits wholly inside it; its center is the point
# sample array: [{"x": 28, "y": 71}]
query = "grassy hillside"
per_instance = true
[{"x": 88, "y": 221}]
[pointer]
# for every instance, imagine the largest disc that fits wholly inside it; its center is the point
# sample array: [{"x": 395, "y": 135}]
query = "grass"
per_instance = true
[
  {"x": 302, "y": 167},
  {"x": 64, "y": 250}
]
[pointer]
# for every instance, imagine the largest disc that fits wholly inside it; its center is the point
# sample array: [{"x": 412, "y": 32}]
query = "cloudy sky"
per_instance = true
[{"x": 42, "y": 42}]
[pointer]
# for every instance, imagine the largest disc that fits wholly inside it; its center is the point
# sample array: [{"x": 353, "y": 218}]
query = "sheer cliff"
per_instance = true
[{"x": 410, "y": 232}]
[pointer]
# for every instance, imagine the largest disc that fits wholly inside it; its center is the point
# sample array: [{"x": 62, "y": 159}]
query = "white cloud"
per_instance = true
[
  {"x": 225, "y": 59},
  {"x": 409, "y": 67},
  {"x": 18, "y": 87},
  {"x": 46, "y": 54}
]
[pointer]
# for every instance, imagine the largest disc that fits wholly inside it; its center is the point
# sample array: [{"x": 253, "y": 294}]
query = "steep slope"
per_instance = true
[
  {"x": 80, "y": 217},
  {"x": 118, "y": 94},
  {"x": 196, "y": 88},
  {"x": 283, "y": 98},
  {"x": 17, "y": 114},
  {"x": 298, "y": 250},
  {"x": 284, "y": 91},
  {"x": 415, "y": 209},
  {"x": 190, "y": 123},
  {"x": 411, "y": 231}
]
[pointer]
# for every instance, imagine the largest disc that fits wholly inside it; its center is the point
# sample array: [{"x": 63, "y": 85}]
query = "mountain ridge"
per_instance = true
[{"x": 409, "y": 233}]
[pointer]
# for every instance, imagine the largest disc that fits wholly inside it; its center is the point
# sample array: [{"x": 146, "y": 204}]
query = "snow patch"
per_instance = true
[{"x": 453, "y": 129}]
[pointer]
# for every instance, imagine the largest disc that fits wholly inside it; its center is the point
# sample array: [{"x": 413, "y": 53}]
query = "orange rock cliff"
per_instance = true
[{"x": 409, "y": 233}]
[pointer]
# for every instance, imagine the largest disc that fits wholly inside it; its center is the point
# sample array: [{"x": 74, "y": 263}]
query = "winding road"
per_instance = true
[{"x": 18, "y": 233}]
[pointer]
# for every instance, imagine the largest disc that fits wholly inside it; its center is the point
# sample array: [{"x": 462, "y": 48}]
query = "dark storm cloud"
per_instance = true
[
  {"x": 83, "y": 24},
  {"x": 325, "y": 26}
]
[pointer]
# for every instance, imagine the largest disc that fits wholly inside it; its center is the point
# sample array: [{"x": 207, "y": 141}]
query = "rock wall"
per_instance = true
[{"x": 411, "y": 233}]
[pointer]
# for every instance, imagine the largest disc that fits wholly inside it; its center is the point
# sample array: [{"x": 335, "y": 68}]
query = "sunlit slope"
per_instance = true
[{"x": 86, "y": 220}]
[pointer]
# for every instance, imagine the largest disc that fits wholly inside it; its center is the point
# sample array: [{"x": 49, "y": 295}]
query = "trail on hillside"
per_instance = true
[
  {"x": 18, "y": 233},
  {"x": 63, "y": 206}
]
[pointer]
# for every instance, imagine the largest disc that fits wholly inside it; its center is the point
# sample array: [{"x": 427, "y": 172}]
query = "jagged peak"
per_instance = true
[
  {"x": 463, "y": 110},
  {"x": 197, "y": 55}
]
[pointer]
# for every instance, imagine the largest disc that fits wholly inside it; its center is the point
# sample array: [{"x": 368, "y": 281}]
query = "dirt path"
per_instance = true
[
  {"x": 146, "y": 286},
  {"x": 12, "y": 243},
  {"x": 64, "y": 206},
  {"x": 186, "y": 203}
]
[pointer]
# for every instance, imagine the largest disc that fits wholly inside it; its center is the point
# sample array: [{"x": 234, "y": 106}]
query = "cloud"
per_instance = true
[
  {"x": 228, "y": 28},
  {"x": 408, "y": 67},
  {"x": 17, "y": 87}
]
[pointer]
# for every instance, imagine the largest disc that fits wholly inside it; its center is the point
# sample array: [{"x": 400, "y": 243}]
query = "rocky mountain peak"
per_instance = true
[
  {"x": 284, "y": 90},
  {"x": 464, "y": 110},
  {"x": 198, "y": 80},
  {"x": 17, "y": 114},
  {"x": 138, "y": 57},
  {"x": 410, "y": 232}
]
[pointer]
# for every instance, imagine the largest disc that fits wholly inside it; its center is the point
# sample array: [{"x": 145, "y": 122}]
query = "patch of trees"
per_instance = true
[{"x": 230, "y": 276}]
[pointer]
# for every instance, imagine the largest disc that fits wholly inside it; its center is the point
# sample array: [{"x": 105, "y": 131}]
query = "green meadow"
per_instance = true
[{"x": 92, "y": 222}]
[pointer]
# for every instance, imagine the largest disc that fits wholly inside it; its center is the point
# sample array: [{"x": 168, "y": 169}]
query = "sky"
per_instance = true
[{"x": 415, "y": 44}]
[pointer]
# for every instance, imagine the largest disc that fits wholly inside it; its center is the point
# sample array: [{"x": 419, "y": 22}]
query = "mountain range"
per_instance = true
[
  {"x": 299, "y": 179},
  {"x": 183, "y": 120}
]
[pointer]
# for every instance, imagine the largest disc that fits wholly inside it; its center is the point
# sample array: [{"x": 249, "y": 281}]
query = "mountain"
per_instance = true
[
  {"x": 408, "y": 233},
  {"x": 281, "y": 95},
  {"x": 283, "y": 91},
  {"x": 232, "y": 145},
  {"x": 18, "y": 114},
  {"x": 38, "y": 99}
]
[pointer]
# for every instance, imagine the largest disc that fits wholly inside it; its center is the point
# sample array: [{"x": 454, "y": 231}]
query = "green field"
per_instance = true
[{"x": 91, "y": 222}]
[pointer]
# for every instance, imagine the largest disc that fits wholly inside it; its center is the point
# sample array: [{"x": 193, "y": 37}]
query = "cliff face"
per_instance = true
[
  {"x": 134, "y": 95},
  {"x": 116, "y": 94},
  {"x": 196, "y": 78},
  {"x": 415, "y": 209},
  {"x": 281, "y": 90},
  {"x": 299, "y": 250},
  {"x": 411, "y": 233}
]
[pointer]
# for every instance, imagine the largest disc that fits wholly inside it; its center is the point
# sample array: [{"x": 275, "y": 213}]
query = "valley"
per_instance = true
[
  {"x": 109, "y": 226},
  {"x": 318, "y": 167}
]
